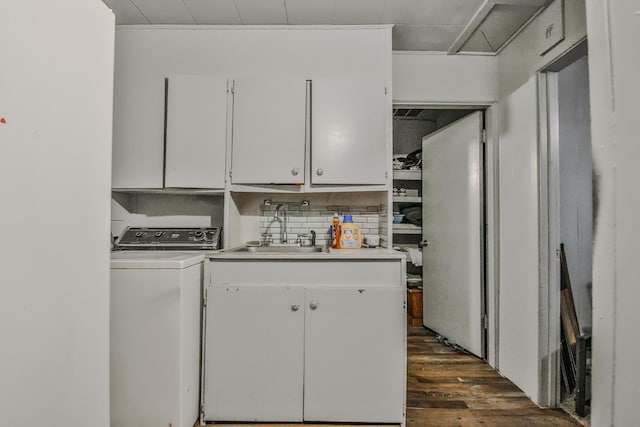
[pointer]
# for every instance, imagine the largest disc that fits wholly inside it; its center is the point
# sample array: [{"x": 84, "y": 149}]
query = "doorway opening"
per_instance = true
[
  {"x": 439, "y": 219},
  {"x": 567, "y": 228}
]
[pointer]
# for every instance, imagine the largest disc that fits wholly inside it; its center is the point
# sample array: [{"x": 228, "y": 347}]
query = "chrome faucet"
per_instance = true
[
  {"x": 311, "y": 236},
  {"x": 284, "y": 237}
]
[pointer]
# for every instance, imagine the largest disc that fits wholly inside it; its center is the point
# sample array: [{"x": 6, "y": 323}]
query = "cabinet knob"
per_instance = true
[
  {"x": 313, "y": 305},
  {"x": 294, "y": 171},
  {"x": 295, "y": 307},
  {"x": 319, "y": 172}
]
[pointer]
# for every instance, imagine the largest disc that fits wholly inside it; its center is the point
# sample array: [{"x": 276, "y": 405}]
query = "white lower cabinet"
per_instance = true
[
  {"x": 254, "y": 358},
  {"x": 352, "y": 350},
  {"x": 309, "y": 352}
]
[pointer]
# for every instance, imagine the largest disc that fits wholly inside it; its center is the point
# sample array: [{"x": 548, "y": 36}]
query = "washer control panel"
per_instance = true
[{"x": 176, "y": 238}]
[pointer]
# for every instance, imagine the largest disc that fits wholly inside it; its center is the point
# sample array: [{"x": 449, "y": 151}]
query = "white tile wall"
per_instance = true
[{"x": 301, "y": 220}]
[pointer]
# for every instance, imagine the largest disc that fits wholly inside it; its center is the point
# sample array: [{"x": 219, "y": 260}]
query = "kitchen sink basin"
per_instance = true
[{"x": 276, "y": 249}]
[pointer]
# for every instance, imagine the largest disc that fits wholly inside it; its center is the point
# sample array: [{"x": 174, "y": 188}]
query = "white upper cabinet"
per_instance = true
[
  {"x": 273, "y": 134},
  {"x": 349, "y": 130},
  {"x": 138, "y": 132},
  {"x": 196, "y": 131},
  {"x": 191, "y": 154},
  {"x": 269, "y": 127}
]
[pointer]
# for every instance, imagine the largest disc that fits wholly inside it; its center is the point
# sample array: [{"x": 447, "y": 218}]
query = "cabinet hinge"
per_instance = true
[
  {"x": 231, "y": 87},
  {"x": 204, "y": 297},
  {"x": 484, "y": 136},
  {"x": 386, "y": 90},
  {"x": 485, "y": 322},
  {"x": 230, "y": 173},
  {"x": 386, "y": 174}
]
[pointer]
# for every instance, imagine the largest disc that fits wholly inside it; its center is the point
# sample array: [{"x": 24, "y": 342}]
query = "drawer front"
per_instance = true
[{"x": 306, "y": 273}]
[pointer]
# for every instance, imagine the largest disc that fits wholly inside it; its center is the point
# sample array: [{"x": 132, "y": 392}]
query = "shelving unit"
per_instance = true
[
  {"x": 407, "y": 229},
  {"x": 411, "y": 180},
  {"x": 407, "y": 199},
  {"x": 407, "y": 175},
  {"x": 407, "y": 235}
]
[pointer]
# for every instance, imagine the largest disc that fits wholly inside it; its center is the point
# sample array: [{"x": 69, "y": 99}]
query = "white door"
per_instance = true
[
  {"x": 452, "y": 173},
  {"x": 196, "y": 131},
  {"x": 269, "y": 131},
  {"x": 354, "y": 355},
  {"x": 254, "y": 343},
  {"x": 349, "y": 130}
]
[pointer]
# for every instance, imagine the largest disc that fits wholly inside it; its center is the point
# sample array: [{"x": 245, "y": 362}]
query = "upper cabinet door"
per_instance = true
[
  {"x": 349, "y": 131},
  {"x": 196, "y": 131},
  {"x": 138, "y": 130},
  {"x": 269, "y": 128}
]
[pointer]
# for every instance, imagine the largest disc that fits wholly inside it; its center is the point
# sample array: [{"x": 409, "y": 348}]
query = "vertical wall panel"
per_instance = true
[
  {"x": 614, "y": 60},
  {"x": 56, "y": 87}
]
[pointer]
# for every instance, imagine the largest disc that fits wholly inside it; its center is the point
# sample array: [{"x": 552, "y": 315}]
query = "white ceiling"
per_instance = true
[{"x": 422, "y": 25}]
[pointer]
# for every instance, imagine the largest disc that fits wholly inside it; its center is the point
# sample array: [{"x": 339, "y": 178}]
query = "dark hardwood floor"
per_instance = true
[{"x": 446, "y": 388}]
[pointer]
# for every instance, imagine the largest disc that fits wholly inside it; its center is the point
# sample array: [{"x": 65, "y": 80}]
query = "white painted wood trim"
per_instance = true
[
  {"x": 492, "y": 233},
  {"x": 548, "y": 205},
  {"x": 253, "y": 27},
  {"x": 482, "y": 12}
]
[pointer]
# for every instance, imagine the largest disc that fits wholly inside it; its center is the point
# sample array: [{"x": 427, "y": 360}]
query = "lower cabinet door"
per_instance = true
[
  {"x": 254, "y": 343},
  {"x": 354, "y": 355}
]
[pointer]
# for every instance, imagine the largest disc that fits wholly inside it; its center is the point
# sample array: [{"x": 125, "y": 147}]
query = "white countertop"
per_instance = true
[
  {"x": 154, "y": 259},
  {"x": 331, "y": 254}
]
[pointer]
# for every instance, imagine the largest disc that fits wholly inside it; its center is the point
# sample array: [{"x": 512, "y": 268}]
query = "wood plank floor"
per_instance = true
[{"x": 446, "y": 388}]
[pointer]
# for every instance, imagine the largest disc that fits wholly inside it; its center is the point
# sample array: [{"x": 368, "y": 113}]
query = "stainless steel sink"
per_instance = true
[{"x": 277, "y": 249}]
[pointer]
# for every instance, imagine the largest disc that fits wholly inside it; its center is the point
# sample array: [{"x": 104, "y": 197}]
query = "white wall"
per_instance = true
[
  {"x": 56, "y": 82},
  {"x": 521, "y": 59},
  {"x": 439, "y": 78},
  {"x": 165, "y": 210},
  {"x": 518, "y": 192},
  {"x": 614, "y": 61},
  {"x": 407, "y": 134},
  {"x": 576, "y": 201}
]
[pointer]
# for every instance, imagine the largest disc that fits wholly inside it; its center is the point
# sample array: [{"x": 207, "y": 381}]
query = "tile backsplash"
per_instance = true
[{"x": 303, "y": 219}]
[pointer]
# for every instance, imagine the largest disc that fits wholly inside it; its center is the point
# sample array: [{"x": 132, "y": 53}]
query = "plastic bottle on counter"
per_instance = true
[
  {"x": 349, "y": 236},
  {"x": 334, "y": 230}
]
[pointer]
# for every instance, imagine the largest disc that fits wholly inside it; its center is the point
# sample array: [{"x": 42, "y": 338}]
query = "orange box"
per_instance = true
[{"x": 414, "y": 302}]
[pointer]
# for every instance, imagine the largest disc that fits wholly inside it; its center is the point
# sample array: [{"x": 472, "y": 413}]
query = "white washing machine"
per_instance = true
[{"x": 156, "y": 298}]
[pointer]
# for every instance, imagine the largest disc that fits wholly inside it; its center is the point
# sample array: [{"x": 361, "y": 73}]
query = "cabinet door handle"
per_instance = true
[
  {"x": 295, "y": 307},
  {"x": 319, "y": 172},
  {"x": 294, "y": 171},
  {"x": 313, "y": 305}
]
